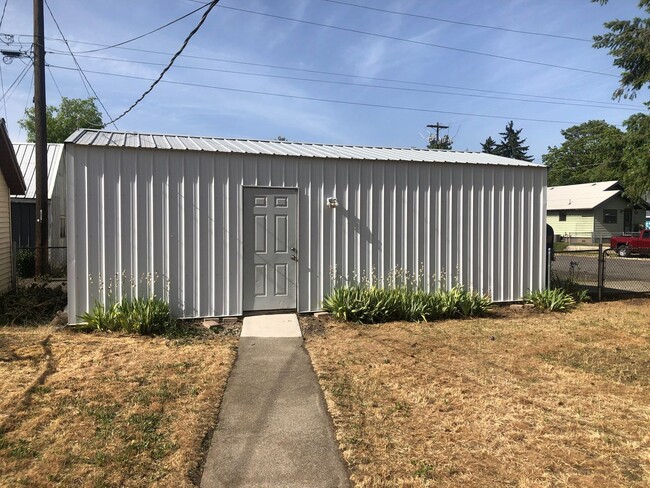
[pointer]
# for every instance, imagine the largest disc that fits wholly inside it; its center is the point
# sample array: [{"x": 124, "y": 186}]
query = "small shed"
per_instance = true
[
  {"x": 591, "y": 212},
  {"x": 221, "y": 227},
  {"x": 23, "y": 207},
  {"x": 11, "y": 182}
]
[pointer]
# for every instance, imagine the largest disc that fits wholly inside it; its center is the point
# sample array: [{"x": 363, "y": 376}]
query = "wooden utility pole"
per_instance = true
[
  {"x": 438, "y": 126},
  {"x": 40, "y": 128}
]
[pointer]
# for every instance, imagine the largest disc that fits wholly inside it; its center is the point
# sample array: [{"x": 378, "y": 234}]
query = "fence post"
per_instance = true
[
  {"x": 14, "y": 267},
  {"x": 601, "y": 271},
  {"x": 548, "y": 268}
]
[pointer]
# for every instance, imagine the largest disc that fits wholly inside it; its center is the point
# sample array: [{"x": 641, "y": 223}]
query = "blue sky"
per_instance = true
[{"x": 252, "y": 73}]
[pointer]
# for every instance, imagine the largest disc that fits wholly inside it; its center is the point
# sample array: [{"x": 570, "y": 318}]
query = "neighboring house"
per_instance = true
[
  {"x": 11, "y": 183},
  {"x": 593, "y": 211},
  {"x": 23, "y": 207},
  {"x": 232, "y": 226}
]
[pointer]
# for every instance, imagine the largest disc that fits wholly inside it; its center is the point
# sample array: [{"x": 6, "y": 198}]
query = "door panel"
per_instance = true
[{"x": 270, "y": 254}]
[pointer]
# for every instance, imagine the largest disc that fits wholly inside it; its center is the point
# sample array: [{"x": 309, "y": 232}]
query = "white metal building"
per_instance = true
[
  {"x": 219, "y": 226},
  {"x": 23, "y": 207}
]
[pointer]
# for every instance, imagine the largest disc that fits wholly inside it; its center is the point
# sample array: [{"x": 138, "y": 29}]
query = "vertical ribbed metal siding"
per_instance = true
[{"x": 134, "y": 214}]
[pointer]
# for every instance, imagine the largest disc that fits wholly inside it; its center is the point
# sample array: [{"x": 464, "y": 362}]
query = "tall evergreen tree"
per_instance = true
[
  {"x": 489, "y": 146},
  {"x": 511, "y": 145}
]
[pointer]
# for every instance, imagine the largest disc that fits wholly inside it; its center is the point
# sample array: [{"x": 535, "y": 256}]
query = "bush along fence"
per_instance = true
[
  {"x": 25, "y": 262},
  {"x": 602, "y": 272}
]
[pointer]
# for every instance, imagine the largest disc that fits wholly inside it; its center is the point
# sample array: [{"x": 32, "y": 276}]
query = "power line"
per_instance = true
[
  {"x": 7, "y": 95},
  {"x": 332, "y": 73},
  {"x": 420, "y": 43},
  {"x": 2, "y": 80},
  {"x": 78, "y": 65},
  {"x": 438, "y": 19},
  {"x": 54, "y": 80},
  {"x": 146, "y": 33},
  {"x": 347, "y": 75},
  {"x": 169, "y": 65},
  {"x": 27, "y": 100},
  {"x": 364, "y": 85},
  {"x": 4, "y": 9},
  {"x": 326, "y": 100}
]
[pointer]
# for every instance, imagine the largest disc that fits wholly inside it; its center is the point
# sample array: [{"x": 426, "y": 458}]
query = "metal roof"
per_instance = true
[
  {"x": 26, "y": 155},
  {"x": 585, "y": 196},
  {"x": 100, "y": 138}
]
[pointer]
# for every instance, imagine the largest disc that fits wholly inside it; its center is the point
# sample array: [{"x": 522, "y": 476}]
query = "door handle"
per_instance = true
[
  {"x": 294, "y": 249},
  {"x": 294, "y": 257}
]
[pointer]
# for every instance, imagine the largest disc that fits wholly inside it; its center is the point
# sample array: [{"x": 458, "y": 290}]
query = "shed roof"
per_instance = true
[
  {"x": 26, "y": 155},
  {"x": 101, "y": 138},
  {"x": 9, "y": 164},
  {"x": 585, "y": 196}
]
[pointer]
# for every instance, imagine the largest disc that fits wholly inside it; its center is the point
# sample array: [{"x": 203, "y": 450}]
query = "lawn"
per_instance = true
[
  {"x": 107, "y": 409},
  {"x": 520, "y": 399}
]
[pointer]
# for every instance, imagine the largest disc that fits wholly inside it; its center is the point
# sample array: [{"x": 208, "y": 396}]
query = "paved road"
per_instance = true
[{"x": 632, "y": 274}]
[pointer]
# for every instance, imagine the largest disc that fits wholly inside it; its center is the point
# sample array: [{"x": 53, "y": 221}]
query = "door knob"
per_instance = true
[
  {"x": 294, "y": 249},
  {"x": 293, "y": 256}
]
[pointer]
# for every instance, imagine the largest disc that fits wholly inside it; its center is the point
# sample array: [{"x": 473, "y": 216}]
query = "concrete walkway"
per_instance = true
[{"x": 273, "y": 427}]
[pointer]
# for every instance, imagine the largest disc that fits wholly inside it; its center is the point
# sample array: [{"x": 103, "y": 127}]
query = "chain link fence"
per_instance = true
[
  {"x": 603, "y": 273},
  {"x": 25, "y": 262}
]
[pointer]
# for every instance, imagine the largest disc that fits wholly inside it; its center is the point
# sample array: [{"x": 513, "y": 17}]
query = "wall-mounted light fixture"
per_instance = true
[{"x": 332, "y": 202}]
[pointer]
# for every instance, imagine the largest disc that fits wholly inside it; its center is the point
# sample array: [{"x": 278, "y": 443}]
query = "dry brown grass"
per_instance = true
[
  {"x": 522, "y": 400},
  {"x": 106, "y": 410}
]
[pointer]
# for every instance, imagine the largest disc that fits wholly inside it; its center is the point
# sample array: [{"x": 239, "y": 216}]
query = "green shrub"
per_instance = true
[
  {"x": 137, "y": 315},
  {"x": 552, "y": 299},
  {"x": 25, "y": 263},
  {"x": 569, "y": 285},
  {"x": 369, "y": 304}
]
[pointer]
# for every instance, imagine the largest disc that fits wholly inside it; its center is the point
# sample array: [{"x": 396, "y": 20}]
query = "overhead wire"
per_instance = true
[
  {"x": 27, "y": 100},
  {"x": 81, "y": 71},
  {"x": 326, "y": 100},
  {"x": 420, "y": 43},
  {"x": 365, "y": 85},
  {"x": 119, "y": 44},
  {"x": 169, "y": 65},
  {"x": 208, "y": 58},
  {"x": 7, "y": 94},
  {"x": 457, "y": 22},
  {"x": 348, "y": 75},
  {"x": 54, "y": 81},
  {"x": 2, "y": 80}
]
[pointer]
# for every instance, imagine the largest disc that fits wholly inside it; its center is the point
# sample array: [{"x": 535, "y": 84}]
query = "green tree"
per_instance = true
[
  {"x": 62, "y": 121},
  {"x": 629, "y": 42},
  {"x": 591, "y": 151},
  {"x": 511, "y": 145},
  {"x": 636, "y": 155},
  {"x": 444, "y": 142},
  {"x": 489, "y": 146}
]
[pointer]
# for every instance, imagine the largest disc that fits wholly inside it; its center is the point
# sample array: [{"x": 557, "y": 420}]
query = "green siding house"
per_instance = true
[{"x": 592, "y": 212}]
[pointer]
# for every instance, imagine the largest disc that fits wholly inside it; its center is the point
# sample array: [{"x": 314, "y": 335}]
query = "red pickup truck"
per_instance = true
[{"x": 626, "y": 245}]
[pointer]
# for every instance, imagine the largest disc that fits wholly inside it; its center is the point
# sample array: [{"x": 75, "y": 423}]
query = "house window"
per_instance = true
[
  {"x": 610, "y": 216},
  {"x": 562, "y": 215}
]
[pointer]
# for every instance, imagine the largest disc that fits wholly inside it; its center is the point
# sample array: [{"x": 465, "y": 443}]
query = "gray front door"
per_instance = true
[{"x": 270, "y": 254}]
